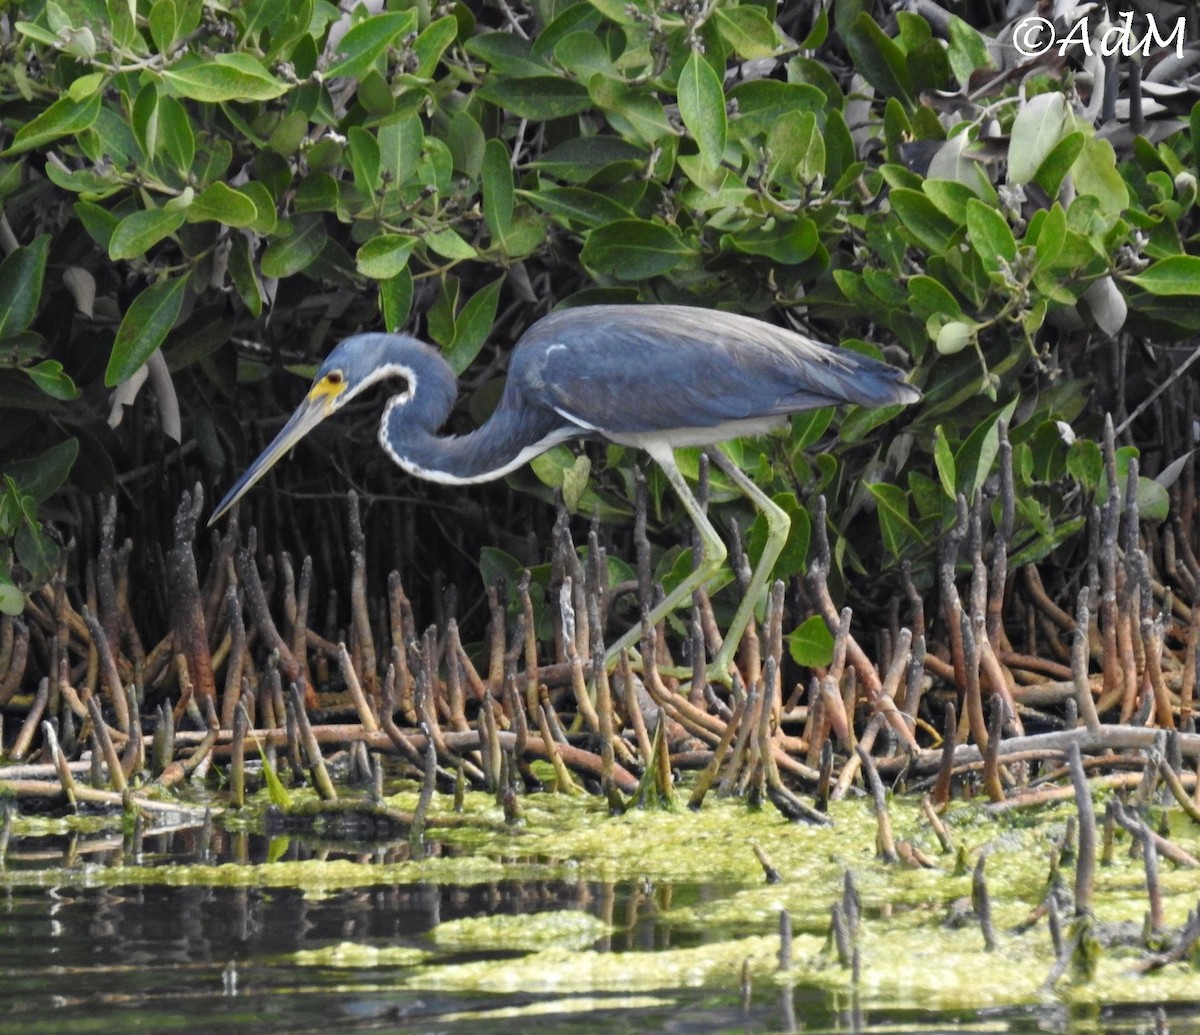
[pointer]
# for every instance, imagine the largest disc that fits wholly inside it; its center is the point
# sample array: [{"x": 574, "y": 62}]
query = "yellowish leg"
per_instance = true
[
  {"x": 712, "y": 556},
  {"x": 778, "y": 526}
]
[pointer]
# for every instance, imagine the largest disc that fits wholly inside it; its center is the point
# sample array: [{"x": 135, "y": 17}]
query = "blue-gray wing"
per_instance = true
[{"x": 644, "y": 368}]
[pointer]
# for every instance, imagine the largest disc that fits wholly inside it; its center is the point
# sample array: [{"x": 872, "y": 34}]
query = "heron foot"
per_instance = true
[{"x": 716, "y": 671}]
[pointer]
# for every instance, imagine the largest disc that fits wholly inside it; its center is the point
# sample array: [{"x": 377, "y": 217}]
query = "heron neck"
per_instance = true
[{"x": 508, "y": 439}]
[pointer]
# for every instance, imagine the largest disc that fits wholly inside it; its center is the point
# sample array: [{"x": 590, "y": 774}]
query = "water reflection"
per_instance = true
[
  {"x": 155, "y": 958},
  {"x": 166, "y": 955}
]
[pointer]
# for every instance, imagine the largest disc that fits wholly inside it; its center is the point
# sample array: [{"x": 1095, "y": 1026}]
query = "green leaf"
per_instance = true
[
  {"x": 508, "y": 54},
  {"x": 748, "y": 31},
  {"x": 265, "y": 219},
  {"x": 384, "y": 256},
  {"x": 439, "y": 320},
  {"x": 449, "y": 245},
  {"x": 1058, "y": 162},
  {"x": 317, "y": 192},
  {"x": 1154, "y": 502},
  {"x": 584, "y": 55},
  {"x": 634, "y": 249},
  {"x": 925, "y": 221},
  {"x": 578, "y": 159},
  {"x": 1194, "y": 123},
  {"x": 632, "y": 111},
  {"x": 276, "y": 792},
  {"x": 91, "y": 183},
  {"x": 879, "y": 58},
  {"x": 37, "y": 553},
  {"x": 795, "y": 148},
  {"x": 1096, "y": 175},
  {"x": 497, "y": 189},
  {"x": 221, "y": 203},
  {"x": 366, "y": 41},
  {"x": 560, "y": 468},
  {"x": 49, "y": 376},
  {"x": 991, "y": 236},
  {"x": 144, "y": 118},
  {"x": 97, "y": 221},
  {"x": 927, "y": 496},
  {"x": 924, "y": 57},
  {"x": 702, "y": 107},
  {"x": 1172, "y": 276},
  {"x": 65, "y": 116},
  {"x": 898, "y": 531},
  {"x": 568, "y": 18},
  {"x": 928, "y": 297},
  {"x": 975, "y": 457},
  {"x": 787, "y": 241},
  {"x": 1051, "y": 235},
  {"x": 538, "y": 98},
  {"x": 400, "y": 148},
  {"x": 395, "y": 300},
  {"x": 810, "y": 425},
  {"x": 432, "y": 43},
  {"x": 575, "y": 482},
  {"x": 793, "y": 558},
  {"x": 853, "y": 286},
  {"x": 943, "y": 458},
  {"x": 140, "y": 231},
  {"x": 1085, "y": 463},
  {"x": 473, "y": 325},
  {"x": 21, "y": 275},
  {"x": 296, "y": 252},
  {"x": 121, "y": 14},
  {"x": 1040, "y": 124},
  {"x": 466, "y": 141},
  {"x": 364, "y": 158},
  {"x": 176, "y": 138},
  {"x": 41, "y": 476},
  {"x": 289, "y": 133},
  {"x": 223, "y": 77},
  {"x": 12, "y": 600},
  {"x": 968, "y": 49},
  {"x": 811, "y": 643},
  {"x": 577, "y": 205},
  {"x": 761, "y": 101},
  {"x": 241, "y": 271},
  {"x": 164, "y": 22},
  {"x": 145, "y": 326},
  {"x": 39, "y": 34}
]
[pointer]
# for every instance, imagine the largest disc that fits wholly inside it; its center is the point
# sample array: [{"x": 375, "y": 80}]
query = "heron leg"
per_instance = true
[
  {"x": 778, "y": 526},
  {"x": 712, "y": 553}
]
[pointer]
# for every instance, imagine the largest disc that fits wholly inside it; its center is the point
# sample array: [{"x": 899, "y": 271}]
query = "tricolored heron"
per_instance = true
[{"x": 653, "y": 376}]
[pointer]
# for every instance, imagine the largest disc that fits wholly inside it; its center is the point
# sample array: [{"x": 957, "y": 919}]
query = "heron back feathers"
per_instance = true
[{"x": 637, "y": 369}]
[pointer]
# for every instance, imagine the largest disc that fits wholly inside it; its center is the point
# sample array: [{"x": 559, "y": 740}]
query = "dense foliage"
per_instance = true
[{"x": 202, "y": 196}]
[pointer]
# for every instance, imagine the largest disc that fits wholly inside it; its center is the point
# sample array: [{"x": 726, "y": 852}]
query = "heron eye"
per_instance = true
[{"x": 334, "y": 377}]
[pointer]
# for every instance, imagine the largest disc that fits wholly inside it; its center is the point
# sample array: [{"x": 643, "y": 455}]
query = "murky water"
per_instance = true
[
  {"x": 80, "y": 954},
  {"x": 170, "y": 959}
]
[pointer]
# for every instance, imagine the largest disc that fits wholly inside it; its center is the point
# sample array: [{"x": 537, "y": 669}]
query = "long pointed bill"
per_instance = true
[{"x": 314, "y": 409}]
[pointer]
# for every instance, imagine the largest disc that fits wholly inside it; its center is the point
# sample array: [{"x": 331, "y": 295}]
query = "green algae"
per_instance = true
[
  {"x": 910, "y": 938},
  {"x": 561, "y": 929},
  {"x": 60, "y": 826},
  {"x": 566, "y": 1006},
  {"x": 359, "y": 956},
  {"x": 561, "y": 972}
]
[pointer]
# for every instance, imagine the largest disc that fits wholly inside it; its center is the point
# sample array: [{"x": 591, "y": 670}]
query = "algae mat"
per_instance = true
[{"x": 918, "y": 945}]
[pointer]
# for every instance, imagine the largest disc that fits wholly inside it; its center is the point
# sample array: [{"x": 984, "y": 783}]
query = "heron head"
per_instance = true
[{"x": 346, "y": 371}]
